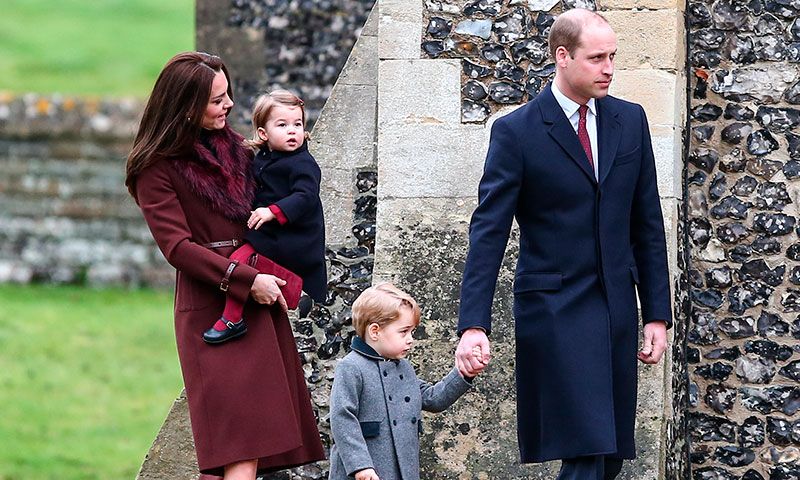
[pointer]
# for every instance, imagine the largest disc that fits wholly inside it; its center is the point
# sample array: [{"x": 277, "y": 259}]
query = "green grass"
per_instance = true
[
  {"x": 86, "y": 378},
  {"x": 97, "y": 47}
]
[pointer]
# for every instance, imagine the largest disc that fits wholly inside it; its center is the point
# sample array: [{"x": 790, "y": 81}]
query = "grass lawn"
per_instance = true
[
  {"x": 86, "y": 378},
  {"x": 96, "y": 47}
]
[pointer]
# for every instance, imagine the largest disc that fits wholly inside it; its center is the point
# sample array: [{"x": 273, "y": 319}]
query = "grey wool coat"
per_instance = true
[{"x": 376, "y": 407}]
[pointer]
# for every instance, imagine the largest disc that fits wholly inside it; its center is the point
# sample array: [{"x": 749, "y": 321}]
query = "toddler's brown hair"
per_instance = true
[{"x": 381, "y": 304}]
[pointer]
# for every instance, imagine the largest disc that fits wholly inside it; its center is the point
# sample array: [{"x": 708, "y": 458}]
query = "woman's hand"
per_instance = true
[
  {"x": 266, "y": 290},
  {"x": 260, "y": 216}
]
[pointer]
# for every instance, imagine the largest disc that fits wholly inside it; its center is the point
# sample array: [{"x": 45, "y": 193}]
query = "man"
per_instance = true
[{"x": 575, "y": 167}]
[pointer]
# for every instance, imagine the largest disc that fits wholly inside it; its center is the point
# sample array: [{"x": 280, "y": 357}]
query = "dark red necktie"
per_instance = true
[{"x": 583, "y": 135}]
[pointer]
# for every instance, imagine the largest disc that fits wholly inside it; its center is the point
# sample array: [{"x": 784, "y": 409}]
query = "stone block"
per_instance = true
[
  {"x": 405, "y": 102},
  {"x": 648, "y": 39},
  {"x": 172, "y": 453},
  {"x": 668, "y": 151},
  {"x": 670, "y": 211},
  {"x": 399, "y": 29},
  {"x": 361, "y": 67},
  {"x": 343, "y": 142},
  {"x": 424, "y": 161},
  {"x": 659, "y": 92}
]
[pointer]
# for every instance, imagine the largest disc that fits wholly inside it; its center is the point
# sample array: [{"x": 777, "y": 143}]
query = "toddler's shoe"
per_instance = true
[
  {"x": 231, "y": 331},
  {"x": 304, "y": 306}
]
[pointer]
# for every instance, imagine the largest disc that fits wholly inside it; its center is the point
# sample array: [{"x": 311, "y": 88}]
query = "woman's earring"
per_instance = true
[{"x": 188, "y": 119}]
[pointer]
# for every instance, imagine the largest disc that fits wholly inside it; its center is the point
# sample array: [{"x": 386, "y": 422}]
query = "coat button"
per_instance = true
[
  {"x": 385, "y": 373},
  {"x": 407, "y": 399},
  {"x": 401, "y": 376},
  {"x": 413, "y": 419},
  {"x": 390, "y": 398},
  {"x": 394, "y": 422}
]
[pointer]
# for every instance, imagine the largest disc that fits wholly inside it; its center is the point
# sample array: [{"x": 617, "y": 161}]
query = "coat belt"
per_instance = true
[{"x": 223, "y": 244}]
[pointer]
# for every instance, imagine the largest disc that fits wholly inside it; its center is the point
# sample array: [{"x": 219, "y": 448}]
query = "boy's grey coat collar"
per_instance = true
[{"x": 360, "y": 346}]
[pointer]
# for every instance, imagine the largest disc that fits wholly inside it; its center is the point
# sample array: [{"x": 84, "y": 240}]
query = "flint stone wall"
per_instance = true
[
  {"x": 301, "y": 45},
  {"x": 744, "y": 277}
]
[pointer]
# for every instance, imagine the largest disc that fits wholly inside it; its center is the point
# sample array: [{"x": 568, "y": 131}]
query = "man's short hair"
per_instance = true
[
  {"x": 381, "y": 304},
  {"x": 566, "y": 31}
]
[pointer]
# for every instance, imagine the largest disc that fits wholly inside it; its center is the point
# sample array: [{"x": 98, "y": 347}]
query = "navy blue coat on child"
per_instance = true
[{"x": 296, "y": 240}]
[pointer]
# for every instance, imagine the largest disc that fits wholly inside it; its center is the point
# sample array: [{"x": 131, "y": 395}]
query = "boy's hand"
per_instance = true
[
  {"x": 367, "y": 474},
  {"x": 477, "y": 356},
  {"x": 467, "y": 363},
  {"x": 259, "y": 217}
]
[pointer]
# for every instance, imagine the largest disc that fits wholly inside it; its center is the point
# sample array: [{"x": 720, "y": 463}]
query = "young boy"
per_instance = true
[{"x": 376, "y": 401}]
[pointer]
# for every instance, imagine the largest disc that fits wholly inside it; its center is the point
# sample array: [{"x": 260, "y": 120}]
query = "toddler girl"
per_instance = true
[{"x": 286, "y": 224}]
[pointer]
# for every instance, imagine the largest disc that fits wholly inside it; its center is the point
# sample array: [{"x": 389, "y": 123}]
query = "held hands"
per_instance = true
[
  {"x": 654, "y": 343},
  {"x": 259, "y": 217},
  {"x": 367, "y": 474},
  {"x": 473, "y": 352},
  {"x": 266, "y": 290}
]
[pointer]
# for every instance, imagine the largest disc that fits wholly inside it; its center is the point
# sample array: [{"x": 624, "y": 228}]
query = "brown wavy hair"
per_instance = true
[{"x": 173, "y": 116}]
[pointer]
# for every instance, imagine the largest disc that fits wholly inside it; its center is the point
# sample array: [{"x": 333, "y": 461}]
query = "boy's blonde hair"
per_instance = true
[
  {"x": 263, "y": 107},
  {"x": 381, "y": 304}
]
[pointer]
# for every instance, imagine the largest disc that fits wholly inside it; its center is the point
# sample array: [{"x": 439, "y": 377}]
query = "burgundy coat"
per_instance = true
[{"x": 247, "y": 398}]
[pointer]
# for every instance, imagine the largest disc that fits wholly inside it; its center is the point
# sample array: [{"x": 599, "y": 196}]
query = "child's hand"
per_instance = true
[
  {"x": 367, "y": 474},
  {"x": 259, "y": 217},
  {"x": 477, "y": 354}
]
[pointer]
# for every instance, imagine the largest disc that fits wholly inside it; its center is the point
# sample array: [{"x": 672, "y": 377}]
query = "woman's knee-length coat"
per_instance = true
[{"x": 247, "y": 398}]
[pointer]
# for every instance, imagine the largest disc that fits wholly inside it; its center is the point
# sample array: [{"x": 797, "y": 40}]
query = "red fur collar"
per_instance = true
[{"x": 219, "y": 173}]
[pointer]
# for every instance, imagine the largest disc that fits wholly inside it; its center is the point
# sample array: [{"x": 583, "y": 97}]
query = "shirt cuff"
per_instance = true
[{"x": 279, "y": 216}]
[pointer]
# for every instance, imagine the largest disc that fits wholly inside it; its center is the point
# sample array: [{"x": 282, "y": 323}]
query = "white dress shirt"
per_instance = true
[{"x": 571, "y": 111}]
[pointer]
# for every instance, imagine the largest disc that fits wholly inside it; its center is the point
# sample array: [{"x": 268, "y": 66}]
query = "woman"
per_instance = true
[{"x": 190, "y": 175}]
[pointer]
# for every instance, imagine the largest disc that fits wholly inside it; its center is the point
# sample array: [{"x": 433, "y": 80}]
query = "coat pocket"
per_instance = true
[
  {"x": 192, "y": 295},
  {"x": 635, "y": 274},
  {"x": 537, "y": 281},
  {"x": 627, "y": 157},
  {"x": 370, "y": 429}
]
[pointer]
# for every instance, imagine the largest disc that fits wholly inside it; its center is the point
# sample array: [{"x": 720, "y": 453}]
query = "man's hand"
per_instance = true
[
  {"x": 260, "y": 216},
  {"x": 467, "y": 362},
  {"x": 655, "y": 342},
  {"x": 367, "y": 474}
]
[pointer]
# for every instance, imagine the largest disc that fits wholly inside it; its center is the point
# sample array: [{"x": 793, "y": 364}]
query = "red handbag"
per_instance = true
[{"x": 294, "y": 284}]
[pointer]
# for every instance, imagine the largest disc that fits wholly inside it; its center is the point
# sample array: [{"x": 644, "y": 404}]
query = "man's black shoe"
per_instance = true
[{"x": 232, "y": 330}]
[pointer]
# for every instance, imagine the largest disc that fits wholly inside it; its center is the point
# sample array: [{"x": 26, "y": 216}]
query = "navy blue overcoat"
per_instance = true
[
  {"x": 586, "y": 246},
  {"x": 291, "y": 181}
]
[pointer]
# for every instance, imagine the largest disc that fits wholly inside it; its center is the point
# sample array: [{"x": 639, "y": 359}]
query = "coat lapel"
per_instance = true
[
  {"x": 609, "y": 132},
  {"x": 562, "y": 133}
]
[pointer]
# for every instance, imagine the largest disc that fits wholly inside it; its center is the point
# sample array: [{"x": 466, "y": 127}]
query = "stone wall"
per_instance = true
[
  {"x": 66, "y": 215},
  {"x": 742, "y": 187}
]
